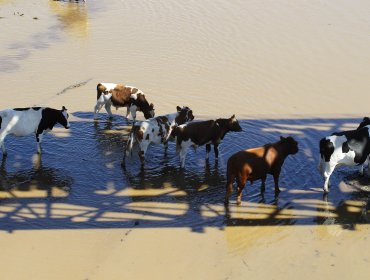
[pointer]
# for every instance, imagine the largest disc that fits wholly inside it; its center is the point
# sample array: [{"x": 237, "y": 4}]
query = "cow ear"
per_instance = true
[
  {"x": 366, "y": 119},
  {"x": 64, "y": 108},
  {"x": 151, "y": 105},
  {"x": 178, "y": 108},
  {"x": 233, "y": 117},
  {"x": 282, "y": 138}
]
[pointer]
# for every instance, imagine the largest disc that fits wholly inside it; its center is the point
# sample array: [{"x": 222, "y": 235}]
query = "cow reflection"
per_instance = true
[{"x": 48, "y": 179}]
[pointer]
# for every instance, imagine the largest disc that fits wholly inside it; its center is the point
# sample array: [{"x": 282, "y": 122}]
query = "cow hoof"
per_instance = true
[{"x": 238, "y": 202}]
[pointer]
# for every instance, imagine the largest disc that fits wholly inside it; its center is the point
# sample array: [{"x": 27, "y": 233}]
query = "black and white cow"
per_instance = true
[
  {"x": 156, "y": 130},
  {"x": 347, "y": 148},
  {"x": 196, "y": 134},
  {"x": 26, "y": 121}
]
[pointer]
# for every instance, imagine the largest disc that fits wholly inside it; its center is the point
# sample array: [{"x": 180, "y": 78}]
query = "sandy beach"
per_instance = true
[{"x": 282, "y": 67}]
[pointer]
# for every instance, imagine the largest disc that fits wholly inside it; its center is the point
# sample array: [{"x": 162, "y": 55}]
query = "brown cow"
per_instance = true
[
  {"x": 120, "y": 95},
  {"x": 254, "y": 164}
]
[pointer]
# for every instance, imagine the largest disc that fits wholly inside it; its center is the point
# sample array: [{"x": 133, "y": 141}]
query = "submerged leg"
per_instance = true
[
  {"x": 2, "y": 143},
  {"x": 215, "y": 148},
  {"x": 263, "y": 184},
  {"x": 39, "y": 140},
  {"x": 328, "y": 170},
  {"x": 97, "y": 108},
  {"x": 183, "y": 152},
  {"x": 241, "y": 183},
  {"x": 208, "y": 149},
  {"x": 108, "y": 109}
]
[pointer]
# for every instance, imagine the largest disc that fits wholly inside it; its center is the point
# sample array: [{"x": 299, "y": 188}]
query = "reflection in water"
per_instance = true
[
  {"x": 73, "y": 16},
  {"x": 36, "y": 181},
  {"x": 164, "y": 195}
]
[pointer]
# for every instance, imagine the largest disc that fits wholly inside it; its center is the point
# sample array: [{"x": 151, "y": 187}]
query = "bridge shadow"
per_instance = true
[{"x": 80, "y": 183}]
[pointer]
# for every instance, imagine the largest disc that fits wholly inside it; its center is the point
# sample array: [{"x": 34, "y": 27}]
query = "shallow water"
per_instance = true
[{"x": 80, "y": 182}]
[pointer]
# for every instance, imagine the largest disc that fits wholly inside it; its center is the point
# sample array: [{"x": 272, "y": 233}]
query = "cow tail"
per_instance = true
[{"x": 98, "y": 91}]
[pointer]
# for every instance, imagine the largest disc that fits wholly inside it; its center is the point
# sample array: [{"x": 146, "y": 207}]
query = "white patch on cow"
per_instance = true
[
  {"x": 185, "y": 145},
  {"x": 109, "y": 86},
  {"x": 66, "y": 116}
]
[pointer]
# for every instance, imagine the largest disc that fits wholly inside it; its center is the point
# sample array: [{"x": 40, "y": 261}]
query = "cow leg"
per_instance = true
[
  {"x": 2, "y": 142},
  {"x": 108, "y": 109},
  {"x": 183, "y": 152},
  {"x": 328, "y": 170},
  {"x": 229, "y": 187},
  {"x": 208, "y": 149},
  {"x": 133, "y": 112},
  {"x": 99, "y": 104},
  {"x": 38, "y": 140},
  {"x": 143, "y": 147},
  {"x": 362, "y": 167},
  {"x": 263, "y": 184},
  {"x": 127, "y": 111},
  {"x": 241, "y": 183},
  {"x": 215, "y": 148},
  {"x": 276, "y": 176},
  {"x": 165, "y": 148}
]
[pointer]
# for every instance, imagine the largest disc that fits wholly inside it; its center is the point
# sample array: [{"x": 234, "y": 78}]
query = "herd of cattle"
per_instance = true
[{"x": 344, "y": 148}]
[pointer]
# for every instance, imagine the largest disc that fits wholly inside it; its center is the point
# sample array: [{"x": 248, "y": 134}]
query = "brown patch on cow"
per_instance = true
[
  {"x": 100, "y": 89},
  {"x": 137, "y": 132},
  {"x": 121, "y": 95}
]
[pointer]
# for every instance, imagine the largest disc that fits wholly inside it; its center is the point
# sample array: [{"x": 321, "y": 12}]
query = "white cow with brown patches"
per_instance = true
[{"x": 119, "y": 95}]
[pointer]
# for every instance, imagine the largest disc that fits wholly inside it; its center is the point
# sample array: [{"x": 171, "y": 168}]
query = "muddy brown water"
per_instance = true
[{"x": 79, "y": 183}]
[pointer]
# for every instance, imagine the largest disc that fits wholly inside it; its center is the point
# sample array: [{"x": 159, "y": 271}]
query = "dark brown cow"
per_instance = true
[
  {"x": 254, "y": 164},
  {"x": 196, "y": 134},
  {"x": 120, "y": 95}
]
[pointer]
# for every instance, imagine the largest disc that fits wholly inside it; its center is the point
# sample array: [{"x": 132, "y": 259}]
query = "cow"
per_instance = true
[
  {"x": 347, "y": 148},
  {"x": 120, "y": 95},
  {"x": 254, "y": 164},
  {"x": 200, "y": 133},
  {"x": 26, "y": 121},
  {"x": 156, "y": 130}
]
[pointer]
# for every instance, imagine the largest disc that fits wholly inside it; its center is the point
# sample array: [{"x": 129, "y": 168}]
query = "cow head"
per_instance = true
[
  {"x": 144, "y": 106},
  {"x": 291, "y": 144},
  {"x": 365, "y": 122},
  {"x": 63, "y": 118},
  {"x": 184, "y": 114},
  {"x": 233, "y": 124}
]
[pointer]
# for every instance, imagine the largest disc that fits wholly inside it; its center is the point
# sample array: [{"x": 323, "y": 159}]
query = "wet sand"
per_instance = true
[{"x": 283, "y": 68}]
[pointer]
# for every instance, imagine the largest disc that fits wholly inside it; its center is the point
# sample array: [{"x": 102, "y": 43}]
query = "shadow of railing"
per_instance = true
[{"x": 80, "y": 183}]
